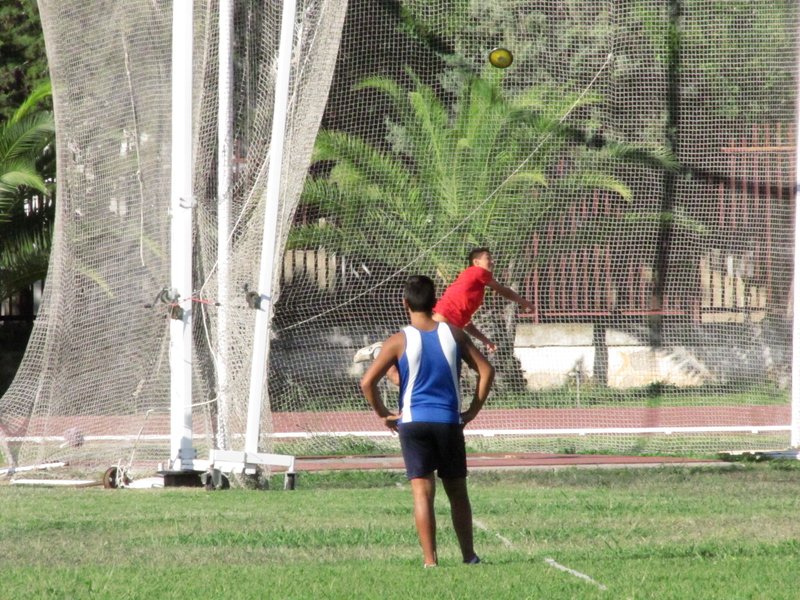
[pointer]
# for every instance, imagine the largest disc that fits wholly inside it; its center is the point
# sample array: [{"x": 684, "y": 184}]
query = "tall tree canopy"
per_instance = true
[{"x": 23, "y": 61}]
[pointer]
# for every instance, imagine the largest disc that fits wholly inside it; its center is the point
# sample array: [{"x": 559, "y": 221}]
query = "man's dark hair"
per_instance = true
[
  {"x": 420, "y": 293},
  {"x": 475, "y": 253}
]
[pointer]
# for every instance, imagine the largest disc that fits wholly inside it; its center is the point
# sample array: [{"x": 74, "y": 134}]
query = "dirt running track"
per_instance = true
[
  {"x": 341, "y": 422},
  {"x": 299, "y": 424},
  {"x": 559, "y": 418}
]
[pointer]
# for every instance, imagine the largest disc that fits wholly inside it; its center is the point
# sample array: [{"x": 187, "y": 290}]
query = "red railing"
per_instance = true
[{"x": 729, "y": 271}]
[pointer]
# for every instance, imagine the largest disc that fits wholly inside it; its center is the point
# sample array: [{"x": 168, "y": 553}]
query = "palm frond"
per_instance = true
[
  {"x": 27, "y": 136},
  {"x": 391, "y": 88},
  {"x": 474, "y": 173},
  {"x": 41, "y": 92},
  {"x": 20, "y": 174},
  {"x": 24, "y": 255},
  {"x": 678, "y": 219}
]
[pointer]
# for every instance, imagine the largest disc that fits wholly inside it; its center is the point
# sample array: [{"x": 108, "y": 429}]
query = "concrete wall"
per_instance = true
[{"x": 553, "y": 354}]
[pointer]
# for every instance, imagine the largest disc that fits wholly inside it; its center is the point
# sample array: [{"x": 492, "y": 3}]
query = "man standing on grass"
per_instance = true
[{"x": 428, "y": 356}]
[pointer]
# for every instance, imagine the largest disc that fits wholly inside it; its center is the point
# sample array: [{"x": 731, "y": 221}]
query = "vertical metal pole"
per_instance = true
[
  {"x": 795, "y": 431},
  {"x": 181, "y": 202},
  {"x": 224, "y": 182},
  {"x": 272, "y": 197}
]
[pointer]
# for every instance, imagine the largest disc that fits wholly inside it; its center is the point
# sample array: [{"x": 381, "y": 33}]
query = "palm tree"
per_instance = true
[
  {"x": 27, "y": 173},
  {"x": 484, "y": 172}
]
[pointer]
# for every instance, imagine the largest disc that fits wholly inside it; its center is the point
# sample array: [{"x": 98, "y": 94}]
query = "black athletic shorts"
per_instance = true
[{"x": 429, "y": 447}]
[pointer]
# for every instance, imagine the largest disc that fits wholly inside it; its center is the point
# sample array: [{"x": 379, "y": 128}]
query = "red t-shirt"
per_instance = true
[{"x": 464, "y": 296}]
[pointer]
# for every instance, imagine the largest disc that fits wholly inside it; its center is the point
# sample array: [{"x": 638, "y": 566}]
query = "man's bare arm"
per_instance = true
[{"x": 390, "y": 352}]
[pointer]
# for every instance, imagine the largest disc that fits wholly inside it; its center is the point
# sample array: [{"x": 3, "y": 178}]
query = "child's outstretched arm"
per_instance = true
[{"x": 510, "y": 294}]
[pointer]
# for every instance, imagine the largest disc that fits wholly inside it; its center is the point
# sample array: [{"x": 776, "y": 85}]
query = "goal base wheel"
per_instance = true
[{"x": 110, "y": 478}]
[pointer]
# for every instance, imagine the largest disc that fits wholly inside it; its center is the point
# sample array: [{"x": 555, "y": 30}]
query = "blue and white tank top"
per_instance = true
[{"x": 430, "y": 368}]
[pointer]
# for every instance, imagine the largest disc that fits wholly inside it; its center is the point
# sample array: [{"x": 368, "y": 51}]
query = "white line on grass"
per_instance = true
[
  {"x": 549, "y": 561},
  {"x": 497, "y": 535},
  {"x": 553, "y": 563}
]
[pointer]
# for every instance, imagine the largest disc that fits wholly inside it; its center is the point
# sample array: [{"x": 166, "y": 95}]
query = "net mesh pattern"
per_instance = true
[{"x": 631, "y": 171}]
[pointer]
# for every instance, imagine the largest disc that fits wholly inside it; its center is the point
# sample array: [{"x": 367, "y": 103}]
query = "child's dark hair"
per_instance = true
[
  {"x": 420, "y": 293},
  {"x": 475, "y": 253}
]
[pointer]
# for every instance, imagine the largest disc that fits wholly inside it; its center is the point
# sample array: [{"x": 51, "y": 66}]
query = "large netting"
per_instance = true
[
  {"x": 94, "y": 386},
  {"x": 631, "y": 170}
]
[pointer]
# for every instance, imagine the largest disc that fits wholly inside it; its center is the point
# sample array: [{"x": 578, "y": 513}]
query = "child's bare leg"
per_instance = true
[
  {"x": 424, "y": 490},
  {"x": 461, "y": 512}
]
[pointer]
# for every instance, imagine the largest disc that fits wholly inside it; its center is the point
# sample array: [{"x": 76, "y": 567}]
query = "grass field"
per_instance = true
[
  {"x": 727, "y": 533},
  {"x": 706, "y": 445}
]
